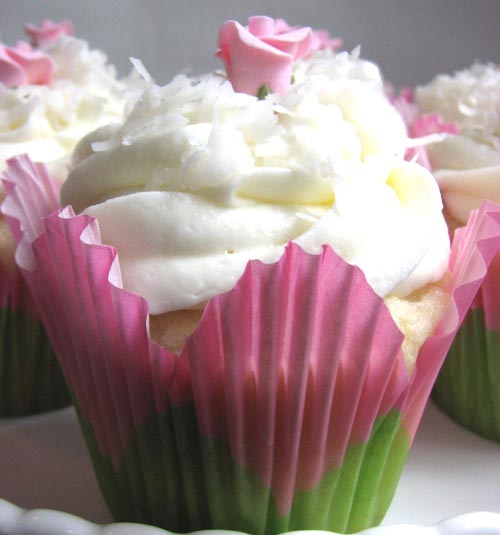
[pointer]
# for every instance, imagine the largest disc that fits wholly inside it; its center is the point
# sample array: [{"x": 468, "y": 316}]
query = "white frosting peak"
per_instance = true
[
  {"x": 46, "y": 121},
  {"x": 200, "y": 179},
  {"x": 467, "y": 165},
  {"x": 470, "y": 98}
]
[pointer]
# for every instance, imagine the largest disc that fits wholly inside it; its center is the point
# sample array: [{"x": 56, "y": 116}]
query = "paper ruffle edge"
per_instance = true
[{"x": 120, "y": 377}]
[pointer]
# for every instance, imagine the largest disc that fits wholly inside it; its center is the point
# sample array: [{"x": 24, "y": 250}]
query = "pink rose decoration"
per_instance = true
[
  {"x": 22, "y": 65},
  {"x": 48, "y": 31},
  {"x": 320, "y": 39},
  {"x": 261, "y": 54}
]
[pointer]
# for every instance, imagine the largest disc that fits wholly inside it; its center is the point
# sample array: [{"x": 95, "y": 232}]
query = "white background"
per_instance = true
[{"x": 412, "y": 40}]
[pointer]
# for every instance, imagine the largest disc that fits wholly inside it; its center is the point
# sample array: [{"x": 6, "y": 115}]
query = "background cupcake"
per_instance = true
[
  {"x": 293, "y": 401},
  {"x": 467, "y": 167},
  {"x": 52, "y": 92}
]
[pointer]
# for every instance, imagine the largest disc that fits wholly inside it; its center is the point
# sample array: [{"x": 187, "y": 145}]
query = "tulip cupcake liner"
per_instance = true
[
  {"x": 468, "y": 386},
  {"x": 31, "y": 379},
  {"x": 204, "y": 486},
  {"x": 290, "y": 406}
]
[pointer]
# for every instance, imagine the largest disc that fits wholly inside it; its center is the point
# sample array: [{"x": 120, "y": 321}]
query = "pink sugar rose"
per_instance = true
[
  {"x": 22, "y": 65},
  {"x": 320, "y": 39},
  {"x": 47, "y": 31},
  {"x": 261, "y": 54}
]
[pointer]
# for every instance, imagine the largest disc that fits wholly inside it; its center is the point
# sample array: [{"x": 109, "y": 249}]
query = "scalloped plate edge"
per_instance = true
[{"x": 15, "y": 520}]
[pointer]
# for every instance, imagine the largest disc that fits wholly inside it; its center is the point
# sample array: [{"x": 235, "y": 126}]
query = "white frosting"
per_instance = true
[
  {"x": 387, "y": 219},
  {"x": 46, "y": 121},
  {"x": 201, "y": 179},
  {"x": 469, "y": 98},
  {"x": 467, "y": 165},
  {"x": 339, "y": 66}
]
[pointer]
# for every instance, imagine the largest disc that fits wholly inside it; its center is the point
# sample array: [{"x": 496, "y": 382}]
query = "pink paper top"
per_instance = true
[
  {"x": 420, "y": 124},
  {"x": 289, "y": 348},
  {"x": 488, "y": 297}
]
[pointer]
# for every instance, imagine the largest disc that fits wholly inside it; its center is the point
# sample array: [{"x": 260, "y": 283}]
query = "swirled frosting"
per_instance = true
[
  {"x": 200, "y": 179},
  {"x": 467, "y": 165},
  {"x": 46, "y": 121}
]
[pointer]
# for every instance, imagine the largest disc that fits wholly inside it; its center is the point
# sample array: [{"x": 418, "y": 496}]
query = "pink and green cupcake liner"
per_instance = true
[
  {"x": 290, "y": 407},
  {"x": 468, "y": 386},
  {"x": 31, "y": 380}
]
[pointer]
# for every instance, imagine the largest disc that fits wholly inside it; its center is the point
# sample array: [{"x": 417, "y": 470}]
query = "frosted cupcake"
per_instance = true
[
  {"x": 257, "y": 293},
  {"x": 467, "y": 167},
  {"x": 52, "y": 92}
]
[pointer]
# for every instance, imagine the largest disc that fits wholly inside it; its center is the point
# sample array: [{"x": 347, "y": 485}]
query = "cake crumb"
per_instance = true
[{"x": 417, "y": 316}]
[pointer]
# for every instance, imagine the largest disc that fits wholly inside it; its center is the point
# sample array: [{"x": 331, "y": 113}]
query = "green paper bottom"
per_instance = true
[
  {"x": 468, "y": 386},
  {"x": 31, "y": 380},
  {"x": 174, "y": 478}
]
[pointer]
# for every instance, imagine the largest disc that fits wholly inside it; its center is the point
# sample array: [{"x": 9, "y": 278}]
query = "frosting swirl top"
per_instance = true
[
  {"x": 466, "y": 165},
  {"x": 46, "y": 120},
  {"x": 199, "y": 179}
]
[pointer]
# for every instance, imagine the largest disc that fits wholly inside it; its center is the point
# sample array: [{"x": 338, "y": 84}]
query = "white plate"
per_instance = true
[{"x": 43, "y": 464}]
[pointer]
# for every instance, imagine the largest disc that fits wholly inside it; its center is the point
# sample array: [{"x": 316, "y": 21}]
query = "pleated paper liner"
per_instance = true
[
  {"x": 468, "y": 385},
  {"x": 290, "y": 406},
  {"x": 31, "y": 380},
  {"x": 419, "y": 125}
]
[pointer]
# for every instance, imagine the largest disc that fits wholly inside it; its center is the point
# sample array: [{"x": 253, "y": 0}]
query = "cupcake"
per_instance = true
[
  {"x": 52, "y": 92},
  {"x": 249, "y": 290},
  {"x": 467, "y": 167}
]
